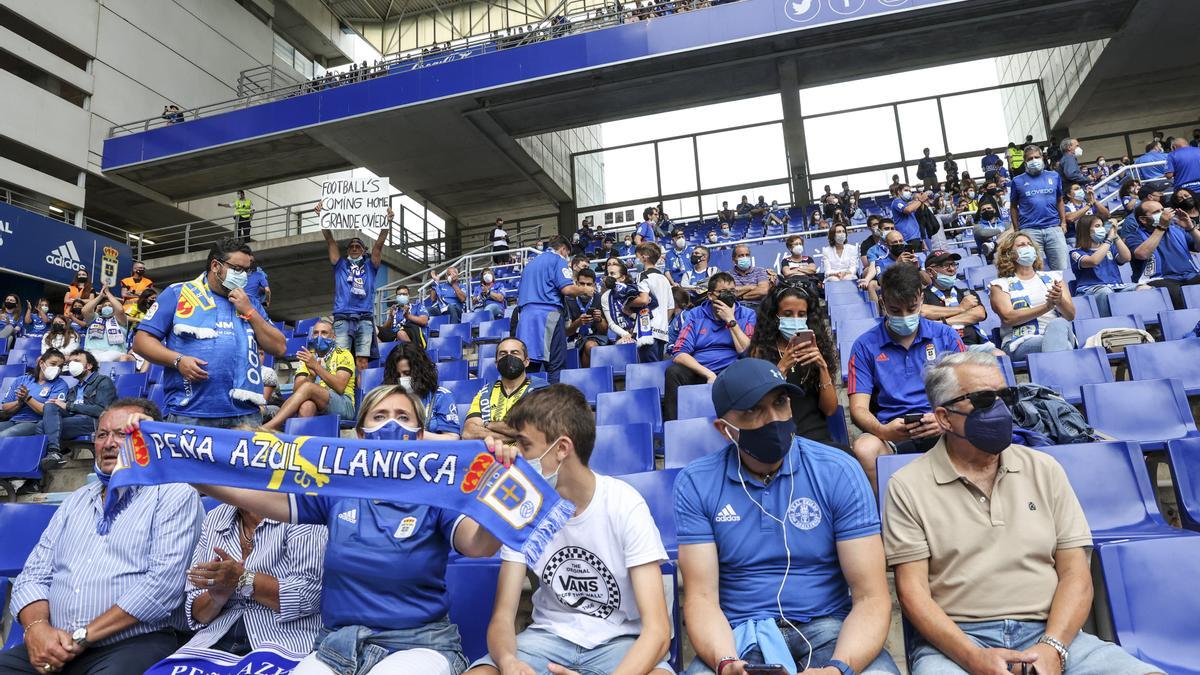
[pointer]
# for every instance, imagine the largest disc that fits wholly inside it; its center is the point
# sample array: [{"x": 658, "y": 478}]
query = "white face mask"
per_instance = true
[
  {"x": 798, "y": 249},
  {"x": 1079, "y": 151},
  {"x": 406, "y": 382},
  {"x": 552, "y": 479},
  {"x": 680, "y": 243},
  {"x": 50, "y": 372},
  {"x": 75, "y": 368},
  {"x": 840, "y": 237}
]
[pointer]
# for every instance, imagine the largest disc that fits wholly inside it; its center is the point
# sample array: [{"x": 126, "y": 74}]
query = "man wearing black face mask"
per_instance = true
[
  {"x": 988, "y": 227},
  {"x": 977, "y": 506},
  {"x": 778, "y": 523},
  {"x": 491, "y": 405}
]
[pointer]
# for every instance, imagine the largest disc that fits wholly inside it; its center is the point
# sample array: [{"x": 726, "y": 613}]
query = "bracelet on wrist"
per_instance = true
[{"x": 723, "y": 663}]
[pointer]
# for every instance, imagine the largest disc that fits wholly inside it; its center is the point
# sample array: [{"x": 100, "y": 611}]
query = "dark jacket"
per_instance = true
[{"x": 98, "y": 392}]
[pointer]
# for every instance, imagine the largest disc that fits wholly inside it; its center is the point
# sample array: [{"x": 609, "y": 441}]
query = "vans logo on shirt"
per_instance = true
[
  {"x": 350, "y": 516},
  {"x": 581, "y": 581},
  {"x": 728, "y": 515}
]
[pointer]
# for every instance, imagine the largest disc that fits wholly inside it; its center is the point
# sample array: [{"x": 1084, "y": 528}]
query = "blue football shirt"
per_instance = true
[
  {"x": 1036, "y": 199},
  {"x": 1184, "y": 165},
  {"x": 54, "y": 389},
  {"x": 354, "y": 286},
  {"x": 543, "y": 280},
  {"x": 906, "y": 223},
  {"x": 879, "y": 366}
]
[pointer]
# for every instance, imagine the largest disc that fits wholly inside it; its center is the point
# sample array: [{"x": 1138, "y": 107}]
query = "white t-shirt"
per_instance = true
[
  {"x": 846, "y": 262},
  {"x": 660, "y": 317},
  {"x": 499, "y": 238},
  {"x": 1026, "y": 293},
  {"x": 586, "y": 595}
]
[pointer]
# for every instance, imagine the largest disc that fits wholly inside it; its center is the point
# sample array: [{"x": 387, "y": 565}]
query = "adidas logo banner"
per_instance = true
[
  {"x": 42, "y": 247},
  {"x": 65, "y": 256}
]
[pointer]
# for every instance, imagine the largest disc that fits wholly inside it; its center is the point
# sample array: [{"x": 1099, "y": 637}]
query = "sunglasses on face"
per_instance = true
[{"x": 982, "y": 400}]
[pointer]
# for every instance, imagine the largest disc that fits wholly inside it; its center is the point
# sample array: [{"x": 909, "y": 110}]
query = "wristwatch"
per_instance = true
[
  {"x": 1058, "y": 647},
  {"x": 245, "y": 587},
  {"x": 80, "y": 637},
  {"x": 730, "y": 323},
  {"x": 175, "y": 365}
]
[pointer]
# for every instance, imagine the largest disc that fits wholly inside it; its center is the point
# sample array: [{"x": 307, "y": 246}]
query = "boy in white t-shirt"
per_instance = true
[
  {"x": 652, "y": 283},
  {"x": 599, "y": 606}
]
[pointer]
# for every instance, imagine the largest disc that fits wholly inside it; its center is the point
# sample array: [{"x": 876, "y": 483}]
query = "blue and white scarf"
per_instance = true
[
  {"x": 196, "y": 317},
  {"x": 513, "y": 503},
  {"x": 193, "y": 661}
]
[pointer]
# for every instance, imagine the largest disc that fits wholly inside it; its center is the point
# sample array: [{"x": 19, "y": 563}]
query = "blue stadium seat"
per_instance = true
[
  {"x": 16, "y": 632},
  {"x": 1191, "y": 296},
  {"x": 849, "y": 329},
  {"x": 282, "y": 328},
  {"x": 487, "y": 371},
  {"x": 25, "y": 356},
  {"x": 632, "y": 405},
  {"x": 486, "y": 352},
  {"x": 1113, "y": 487},
  {"x": 295, "y": 344},
  {"x": 303, "y": 327},
  {"x": 20, "y": 457},
  {"x": 385, "y": 349},
  {"x": 1147, "y": 411},
  {"x": 462, "y": 409},
  {"x": 695, "y": 400},
  {"x": 617, "y": 356},
  {"x": 844, "y": 298},
  {"x": 475, "y": 318},
  {"x": 436, "y": 322},
  {"x": 209, "y": 503},
  {"x": 448, "y": 348},
  {"x": 591, "y": 381},
  {"x": 116, "y": 369},
  {"x": 1143, "y": 304},
  {"x": 132, "y": 384},
  {"x": 370, "y": 378},
  {"x": 886, "y": 466},
  {"x": 1161, "y": 360},
  {"x": 1155, "y": 622},
  {"x": 1085, "y": 307},
  {"x": 27, "y": 344},
  {"x": 452, "y": 370},
  {"x": 1086, "y": 328},
  {"x": 22, "y": 525},
  {"x": 642, "y": 375},
  {"x": 572, "y": 359},
  {"x": 1006, "y": 365},
  {"x": 839, "y": 433},
  {"x": 622, "y": 449},
  {"x": 494, "y": 330},
  {"x": 471, "y": 587},
  {"x": 1185, "y": 475},
  {"x": 459, "y": 330},
  {"x": 863, "y": 310},
  {"x": 324, "y": 426},
  {"x": 157, "y": 395},
  {"x": 12, "y": 370},
  {"x": 686, "y": 440},
  {"x": 462, "y": 391},
  {"x": 1067, "y": 371},
  {"x": 156, "y": 371},
  {"x": 657, "y": 488},
  {"x": 979, "y": 276},
  {"x": 1177, "y": 324}
]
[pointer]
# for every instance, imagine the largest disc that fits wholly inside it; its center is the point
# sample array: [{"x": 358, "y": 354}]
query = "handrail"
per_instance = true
[
  {"x": 468, "y": 48},
  {"x": 1124, "y": 170}
]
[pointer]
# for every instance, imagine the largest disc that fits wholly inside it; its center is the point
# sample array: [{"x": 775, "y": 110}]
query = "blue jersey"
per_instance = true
[
  {"x": 646, "y": 231},
  {"x": 678, "y": 262},
  {"x": 35, "y": 327},
  {"x": 1036, "y": 199},
  {"x": 891, "y": 374},
  {"x": 543, "y": 280},
  {"x": 1172, "y": 258},
  {"x": 906, "y": 223},
  {"x": 256, "y": 282},
  {"x": 706, "y": 339},
  {"x": 1106, "y": 273},
  {"x": 1148, "y": 173},
  {"x": 55, "y": 389},
  {"x": 441, "y": 415},
  {"x": 385, "y": 565},
  {"x": 354, "y": 286},
  {"x": 1184, "y": 165},
  {"x": 822, "y": 497}
]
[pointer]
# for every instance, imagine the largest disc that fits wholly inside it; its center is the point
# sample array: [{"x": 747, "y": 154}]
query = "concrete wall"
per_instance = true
[
  {"x": 1062, "y": 70},
  {"x": 553, "y": 152}
]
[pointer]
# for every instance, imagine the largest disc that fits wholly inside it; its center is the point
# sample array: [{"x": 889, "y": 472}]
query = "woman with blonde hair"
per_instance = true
[{"x": 1034, "y": 306}]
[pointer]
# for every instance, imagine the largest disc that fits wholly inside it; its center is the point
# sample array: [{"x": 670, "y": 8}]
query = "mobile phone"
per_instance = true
[
  {"x": 766, "y": 669},
  {"x": 913, "y": 418},
  {"x": 802, "y": 337}
]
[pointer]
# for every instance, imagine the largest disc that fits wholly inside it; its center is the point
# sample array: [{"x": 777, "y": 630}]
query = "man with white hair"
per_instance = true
[{"x": 989, "y": 542}]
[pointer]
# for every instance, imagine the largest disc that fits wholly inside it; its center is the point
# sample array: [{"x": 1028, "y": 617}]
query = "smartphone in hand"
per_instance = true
[
  {"x": 913, "y": 418},
  {"x": 765, "y": 669},
  {"x": 802, "y": 338}
]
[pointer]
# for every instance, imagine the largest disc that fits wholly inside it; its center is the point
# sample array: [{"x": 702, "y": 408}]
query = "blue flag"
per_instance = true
[
  {"x": 193, "y": 661},
  {"x": 514, "y": 503}
]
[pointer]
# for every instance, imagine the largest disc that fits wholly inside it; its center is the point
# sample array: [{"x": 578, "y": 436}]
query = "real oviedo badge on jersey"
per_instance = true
[
  {"x": 930, "y": 352},
  {"x": 406, "y": 528}
]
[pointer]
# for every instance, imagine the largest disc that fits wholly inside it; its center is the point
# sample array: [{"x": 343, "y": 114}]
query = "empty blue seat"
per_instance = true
[
  {"x": 494, "y": 330},
  {"x": 27, "y": 344},
  {"x": 462, "y": 391},
  {"x": 591, "y": 381},
  {"x": 622, "y": 449},
  {"x": 862, "y": 310},
  {"x": 22, "y": 525},
  {"x": 132, "y": 385},
  {"x": 157, "y": 395},
  {"x": 643, "y": 375},
  {"x": 979, "y": 276},
  {"x": 1085, "y": 307},
  {"x": 617, "y": 356},
  {"x": 1006, "y": 365},
  {"x": 1155, "y": 622},
  {"x": 459, "y": 330},
  {"x": 155, "y": 373},
  {"x": 1086, "y": 328},
  {"x": 1147, "y": 411},
  {"x": 1143, "y": 304},
  {"x": 20, "y": 456},
  {"x": 324, "y": 426},
  {"x": 689, "y": 439},
  {"x": 486, "y": 352},
  {"x": 436, "y": 322},
  {"x": 370, "y": 378},
  {"x": 1113, "y": 487},
  {"x": 839, "y": 433},
  {"x": 116, "y": 369},
  {"x": 1176, "y": 324},
  {"x": 631, "y": 405},
  {"x": 448, "y": 348},
  {"x": 25, "y": 356},
  {"x": 12, "y": 370},
  {"x": 886, "y": 466},
  {"x": 303, "y": 327},
  {"x": 657, "y": 488},
  {"x": 1067, "y": 371},
  {"x": 1191, "y": 296},
  {"x": 695, "y": 400},
  {"x": 471, "y": 590},
  {"x": 1161, "y": 360},
  {"x": 475, "y": 318},
  {"x": 1185, "y": 473},
  {"x": 385, "y": 350},
  {"x": 452, "y": 370},
  {"x": 848, "y": 330},
  {"x": 294, "y": 345}
]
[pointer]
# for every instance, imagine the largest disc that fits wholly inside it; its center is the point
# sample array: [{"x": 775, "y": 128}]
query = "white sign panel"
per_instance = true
[{"x": 354, "y": 204}]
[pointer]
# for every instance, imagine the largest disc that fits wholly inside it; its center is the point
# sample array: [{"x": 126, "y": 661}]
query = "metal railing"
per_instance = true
[
  {"x": 547, "y": 29},
  {"x": 263, "y": 79},
  {"x": 1118, "y": 177},
  {"x": 39, "y": 205}
]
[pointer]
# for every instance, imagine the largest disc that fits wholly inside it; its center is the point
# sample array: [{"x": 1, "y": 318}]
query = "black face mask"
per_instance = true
[
  {"x": 510, "y": 366},
  {"x": 10, "y": 304},
  {"x": 991, "y": 191},
  {"x": 896, "y": 249},
  {"x": 987, "y": 215},
  {"x": 696, "y": 259},
  {"x": 1188, "y": 203},
  {"x": 727, "y": 297},
  {"x": 768, "y": 443}
]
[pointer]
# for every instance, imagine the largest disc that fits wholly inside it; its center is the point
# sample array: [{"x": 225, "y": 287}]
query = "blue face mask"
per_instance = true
[
  {"x": 768, "y": 443},
  {"x": 391, "y": 430},
  {"x": 1098, "y": 236},
  {"x": 1026, "y": 255},
  {"x": 790, "y": 325},
  {"x": 743, "y": 263},
  {"x": 402, "y": 299},
  {"x": 320, "y": 344},
  {"x": 106, "y": 312},
  {"x": 100, "y": 474},
  {"x": 904, "y": 325},
  {"x": 990, "y": 429},
  {"x": 1034, "y": 166},
  {"x": 1078, "y": 195},
  {"x": 946, "y": 281}
]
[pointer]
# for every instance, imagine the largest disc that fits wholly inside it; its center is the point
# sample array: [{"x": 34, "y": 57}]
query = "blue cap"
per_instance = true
[{"x": 745, "y": 382}]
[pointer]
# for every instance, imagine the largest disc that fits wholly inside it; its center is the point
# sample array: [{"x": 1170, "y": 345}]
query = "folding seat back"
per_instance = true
[
  {"x": 622, "y": 449},
  {"x": 1067, "y": 371},
  {"x": 1147, "y": 411},
  {"x": 631, "y": 405},
  {"x": 689, "y": 439},
  {"x": 591, "y": 381},
  {"x": 695, "y": 400},
  {"x": 323, "y": 426}
]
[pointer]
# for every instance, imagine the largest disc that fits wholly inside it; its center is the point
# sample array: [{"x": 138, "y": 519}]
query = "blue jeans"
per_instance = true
[
  {"x": 453, "y": 311},
  {"x": 9, "y": 428},
  {"x": 1057, "y": 338},
  {"x": 355, "y": 335},
  {"x": 57, "y": 422},
  {"x": 249, "y": 420},
  {"x": 1089, "y": 654},
  {"x": 1054, "y": 245},
  {"x": 822, "y": 635},
  {"x": 340, "y": 405},
  {"x": 537, "y": 648},
  {"x": 495, "y": 309},
  {"x": 1101, "y": 292}
]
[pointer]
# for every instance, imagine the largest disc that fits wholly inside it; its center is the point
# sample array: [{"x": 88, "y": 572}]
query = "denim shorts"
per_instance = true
[
  {"x": 248, "y": 420},
  {"x": 1089, "y": 655},
  {"x": 814, "y": 645},
  {"x": 340, "y": 405},
  {"x": 355, "y": 334},
  {"x": 537, "y": 647}
]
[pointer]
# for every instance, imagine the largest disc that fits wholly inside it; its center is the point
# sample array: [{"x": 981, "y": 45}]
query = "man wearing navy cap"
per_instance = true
[{"x": 778, "y": 542}]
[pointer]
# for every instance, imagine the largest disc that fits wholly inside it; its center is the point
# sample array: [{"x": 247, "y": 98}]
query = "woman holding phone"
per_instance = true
[
  {"x": 1034, "y": 306},
  {"x": 792, "y": 332}
]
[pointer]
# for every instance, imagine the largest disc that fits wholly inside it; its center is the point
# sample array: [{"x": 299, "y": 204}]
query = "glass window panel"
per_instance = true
[
  {"x": 693, "y": 120},
  {"x": 742, "y": 156},
  {"x": 629, "y": 174},
  {"x": 862, "y": 138},
  {"x": 976, "y": 121},
  {"x": 677, "y": 166},
  {"x": 884, "y": 88},
  {"x": 919, "y": 129}
]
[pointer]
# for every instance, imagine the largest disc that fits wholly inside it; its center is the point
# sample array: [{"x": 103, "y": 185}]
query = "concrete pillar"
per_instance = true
[
  {"x": 793, "y": 130},
  {"x": 568, "y": 220}
]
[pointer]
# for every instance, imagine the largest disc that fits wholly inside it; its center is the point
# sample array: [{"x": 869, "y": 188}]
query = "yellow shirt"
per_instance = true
[
  {"x": 336, "y": 359},
  {"x": 492, "y": 403}
]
